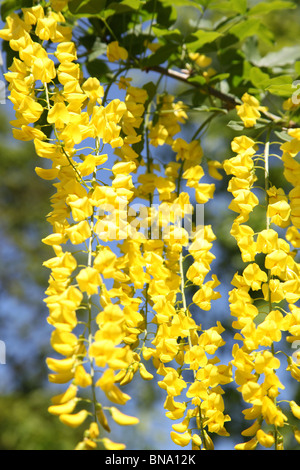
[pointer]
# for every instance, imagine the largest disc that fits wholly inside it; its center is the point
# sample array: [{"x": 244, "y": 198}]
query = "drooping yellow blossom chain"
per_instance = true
[
  {"x": 82, "y": 341},
  {"x": 112, "y": 308},
  {"x": 262, "y": 321}
]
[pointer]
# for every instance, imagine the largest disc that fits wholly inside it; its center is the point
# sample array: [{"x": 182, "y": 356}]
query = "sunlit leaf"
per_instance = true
[
  {"x": 266, "y": 7},
  {"x": 200, "y": 38}
]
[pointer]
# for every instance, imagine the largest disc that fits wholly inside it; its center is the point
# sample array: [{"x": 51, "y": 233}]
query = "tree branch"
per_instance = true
[{"x": 229, "y": 101}]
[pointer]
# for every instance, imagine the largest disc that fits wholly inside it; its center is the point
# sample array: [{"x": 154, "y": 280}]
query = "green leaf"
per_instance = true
[
  {"x": 219, "y": 77},
  {"x": 99, "y": 48},
  {"x": 8, "y": 7},
  {"x": 86, "y": 7},
  {"x": 239, "y": 5},
  {"x": 165, "y": 15},
  {"x": 297, "y": 68},
  {"x": 236, "y": 125},
  {"x": 231, "y": 6},
  {"x": 199, "y": 79},
  {"x": 124, "y": 6},
  {"x": 197, "y": 40},
  {"x": 266, "y": 7},
  {"x": 246, "y": 28},
  {"x": 286, "y": 55},
  {"x": 97, "y": 68},
  {"x": 259, "y": 79},
  {"x": 170, "y": 34},
  {"x": 281, "y": 86},
  {"x": 181, "y": 3},
  {"x": 151, "y": 90},
  {"x": 283, "y": 135},
  {"x": 160, "y": 56},
  {"x": 239, "y": 126}
]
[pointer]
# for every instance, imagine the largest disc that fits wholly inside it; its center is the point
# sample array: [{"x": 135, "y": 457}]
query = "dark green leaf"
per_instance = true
[
  {"x": 124, "y": 6},
  {"x": 8, "y": 7},
  {"x": 86, "y": 7},
  {"x": 98, "y": 69},
  {"x": 160, "y": 56},
  {"x": 182, "y": 3},
  {"x": 165, "y": 15},
  {"x": 170, "y": 34}
]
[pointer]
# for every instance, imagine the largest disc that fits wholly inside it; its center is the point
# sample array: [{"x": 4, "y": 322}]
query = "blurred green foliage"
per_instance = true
[{"x": 27, "y": 425}]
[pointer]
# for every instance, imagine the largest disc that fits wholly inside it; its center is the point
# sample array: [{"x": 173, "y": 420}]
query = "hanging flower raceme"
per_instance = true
[
  {"x": 81, "y": 344},
  {"x": 178, "y": 339},
  {"x": 255, "y": 361}
]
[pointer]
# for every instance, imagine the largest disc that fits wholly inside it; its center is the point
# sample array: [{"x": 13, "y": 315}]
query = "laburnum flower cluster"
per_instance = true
[
  {"x": 271, "y": 270},
  {"x": 53, "y": 83},
  {"x": 118, "y": 310}
]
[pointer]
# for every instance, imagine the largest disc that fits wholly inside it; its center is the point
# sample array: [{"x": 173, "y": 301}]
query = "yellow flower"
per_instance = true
[
  {"x": 60, "y": 365},
  {"x": 122, "y": 419},
  {"x": 27, "y": 107},
  {"x": 66, "y": 52},
  {"x": 181, "y": 439},
  {"x": 66, "y": 396},
  {"x": 63, "y": 342},
  {"x": 249, "y": 445},
  {"x": 46, "y": 28},
  {"x": 79, "y": 233},
  {"x": 59, "y": 115},
  {"x": 81, "y": 377},
  {"x": 279, "y": 213},
  {"x": 251, "y": 431},
  {"x": 271, "y": 413},
  {"x": 254, "y": 276},
  {"x": 43, "y": 70},
  {"x": 110, "y": 445},
  {"x": 63, "y": 408},
  {"x": 200, "y": 59},
  {"x": 74, "y": 420},
  {"x": 213, "y": 167},
  {"x": 58, "y": 5},
  {"x": 172, "y": 383},
  {"x": 47, "y": 174},
  {"x": 249, "y": 112},
  {"x": 116, "y": 52},
  {"x": 297, "y": 435},
  {"x": 295, "y": 409},
  {"x": 294, "y": 369},
  {"x": 244, "y": 145},
  {"x": 204, "y": 192}
]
